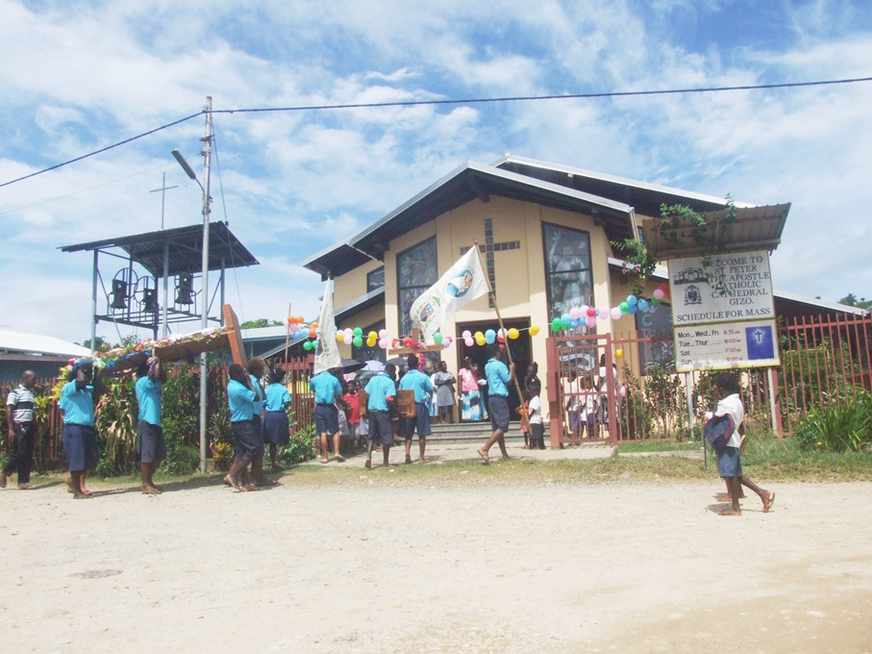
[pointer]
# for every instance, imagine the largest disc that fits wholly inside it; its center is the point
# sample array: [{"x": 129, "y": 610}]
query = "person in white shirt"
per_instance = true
[
  {"x": 730, "y": 458},
  {"x": 534, "y": 417}
]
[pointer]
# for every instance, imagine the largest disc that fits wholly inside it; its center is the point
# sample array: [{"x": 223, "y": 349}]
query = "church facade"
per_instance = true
[{"x": 544, "y": 231}]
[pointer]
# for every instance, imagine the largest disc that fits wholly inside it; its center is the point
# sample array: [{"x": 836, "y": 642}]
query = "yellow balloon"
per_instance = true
[
  {"x": 340, "y": 337},
  {"x": 478, "y": 336},
  {"x": 480, "y": 340},
  {"x": 513, "y": 333},
  {"x": 372, "y": 336},
  {"x": 370, "y": 342},
  {"x": 534, "y": 329},
  {"x": 619, "y": 352}
]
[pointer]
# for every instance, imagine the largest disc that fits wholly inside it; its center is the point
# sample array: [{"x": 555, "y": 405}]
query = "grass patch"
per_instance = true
[{"x": 630, "y": 447}]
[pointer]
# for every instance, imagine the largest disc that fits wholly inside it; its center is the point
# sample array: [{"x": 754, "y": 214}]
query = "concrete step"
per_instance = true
[{"x": 472, "y": 432}]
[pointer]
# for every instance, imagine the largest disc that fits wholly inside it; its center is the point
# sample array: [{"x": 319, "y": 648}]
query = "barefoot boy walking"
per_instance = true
[{"x": 729, "y": 455}]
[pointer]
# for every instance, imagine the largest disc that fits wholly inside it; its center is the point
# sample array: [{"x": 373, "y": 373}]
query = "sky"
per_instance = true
[{"x": 78, "y": 75}]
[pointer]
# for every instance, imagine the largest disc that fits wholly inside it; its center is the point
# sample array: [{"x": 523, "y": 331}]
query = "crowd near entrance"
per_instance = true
[{"x": 478, "y": 356}]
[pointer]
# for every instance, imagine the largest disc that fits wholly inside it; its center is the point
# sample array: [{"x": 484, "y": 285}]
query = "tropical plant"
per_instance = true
[
  {"x": 845, "y": 424},
  {"x": 180, "y": 419},
  {"x": 300, "y": 448},
  {"x": 116, "y": 427}
]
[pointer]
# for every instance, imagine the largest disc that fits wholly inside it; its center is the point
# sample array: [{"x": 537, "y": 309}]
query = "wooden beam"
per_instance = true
[{"x": 237, "y": 348}]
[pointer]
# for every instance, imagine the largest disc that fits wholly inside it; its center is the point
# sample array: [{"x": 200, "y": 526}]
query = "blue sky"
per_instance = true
[{"x": 78, "y": 75}]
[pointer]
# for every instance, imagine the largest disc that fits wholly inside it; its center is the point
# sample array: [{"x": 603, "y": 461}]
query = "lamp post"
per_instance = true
[{"x": 207, "y": 173}]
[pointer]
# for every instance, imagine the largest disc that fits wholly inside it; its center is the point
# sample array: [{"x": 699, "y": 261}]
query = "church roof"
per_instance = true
[
  {"x": 645, "y": 197},
  {"x": 473, "y": 180}
]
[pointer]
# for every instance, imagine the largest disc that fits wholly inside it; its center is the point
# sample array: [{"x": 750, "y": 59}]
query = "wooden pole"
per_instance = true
[
  {"x": 287, "y": 335},
  {"x": 521, "y": 397}
]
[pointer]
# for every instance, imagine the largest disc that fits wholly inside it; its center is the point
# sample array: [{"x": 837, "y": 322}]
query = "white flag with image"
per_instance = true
[
  {"x": 463, "y": 282},
  {"x": 327, "y": 351}
]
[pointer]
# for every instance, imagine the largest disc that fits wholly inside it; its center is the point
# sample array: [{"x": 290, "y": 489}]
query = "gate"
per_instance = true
[{"x": 581, "y": 389}]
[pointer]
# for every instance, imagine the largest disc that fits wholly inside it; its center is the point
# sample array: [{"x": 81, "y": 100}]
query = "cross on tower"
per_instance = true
[{"x": 488, "y": 250}]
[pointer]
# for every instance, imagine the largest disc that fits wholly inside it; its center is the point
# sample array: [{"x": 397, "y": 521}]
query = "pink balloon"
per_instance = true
[
  {"x": 448, "y": 340},
  {"x": 382, "y": 333},
  {"x": 575, "y": 313},
  {"x": 383, "y": 343},
  {"x": 591, "y": 312},
  {"x": 659, "y": 293},
  {"x": 466, "y": 334},
  {"x": 603, "y": 314},
  {"x": 467, "y": 342},
  {"x": 590, "y": 321}
]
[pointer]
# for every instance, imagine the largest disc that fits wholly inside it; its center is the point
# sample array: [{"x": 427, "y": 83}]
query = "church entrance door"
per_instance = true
[{"x": 520, "y": 348}]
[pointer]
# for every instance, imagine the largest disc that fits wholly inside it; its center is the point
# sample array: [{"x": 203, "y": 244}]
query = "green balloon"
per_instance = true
[
  {"x": 556, "y": 325},
  {"x": 357, "y": 341},
  {"x": 624, "y": 307},
  {"x": 357, "y": 331},
  {"x": 437, "y": 338}
]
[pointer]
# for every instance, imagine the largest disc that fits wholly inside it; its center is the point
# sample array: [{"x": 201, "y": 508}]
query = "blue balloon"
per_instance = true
[
  {"x": 632, "y": 300},
  {"x": 634, "y": 308},
  {"x": 490, "y": 336},
  {"x": 644, "y": 306}
]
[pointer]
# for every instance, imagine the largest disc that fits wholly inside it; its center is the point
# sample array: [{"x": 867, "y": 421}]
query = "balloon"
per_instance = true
[
  {"x": 383, "y": 343},
  {"x": 490, "y": 336},
  {"x": 632, "y": 300},
  {"x": 624, "y": 307},
  {"x": 480, "y": 341},
  {"x": 372, "y": 335},
  {"x": 340, "y": 337},
  {"x": 408, "y": 341},
  {"x": 534, "y": 329},
  {"x": 602, "y": 314},
  {"x": 513, "y": 334},
  {"x": 575, "y": 313},
  {"x": 644, "y": 305},
  {"x": 634, "y": 308},
  {"x": 616, "y": 313},
  {"x": 309, "y": 346},
  {"x": 370, "y": 342},
  {"x": 466, "y": 334},
  {"x": 382, "y": 333},
  {"x": 659, "y": 293},
  {"x": 582, "y": 311},
  {"x": 590, "y": 321},
  {"x": 591, "y": 312},
  {"x": 623, "y": 391},
  {"x": 468, "y": 342},
  {"x": 313, "y": 332},
  {"x": 619, "y": 352},
  {"x": 349, "y": 334},
  {"x": 357, "y": 341},
  {"x": 357, "y": 331},
  {"x": 478, "y": 335},
  {"x": 448, "y": 340},
  {"x": 556, "y": 325},
  {"x": 437, "y": 338},
  {"x": 565, "y": 317}
]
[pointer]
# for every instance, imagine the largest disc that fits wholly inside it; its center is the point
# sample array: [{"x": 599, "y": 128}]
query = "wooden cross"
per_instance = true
[{"x": 488, "y": 250}]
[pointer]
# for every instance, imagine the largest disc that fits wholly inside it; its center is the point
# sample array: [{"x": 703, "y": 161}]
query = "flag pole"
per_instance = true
[
  {"x": 287, "y": 336},
  {"x": 521, "y": 397}
]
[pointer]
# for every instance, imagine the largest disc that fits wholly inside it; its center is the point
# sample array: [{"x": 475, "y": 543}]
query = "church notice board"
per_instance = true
[{"x": 723, "y": 313}]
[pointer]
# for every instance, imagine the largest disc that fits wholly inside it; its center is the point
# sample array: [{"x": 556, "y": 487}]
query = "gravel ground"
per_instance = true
[{"x": 623, "y": 567}]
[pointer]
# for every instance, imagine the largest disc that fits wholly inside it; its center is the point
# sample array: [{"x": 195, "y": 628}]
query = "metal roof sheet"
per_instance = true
[
  {"x": 364, "y": 301},
  {"x": 185, "y": 248},
  {"x": 37, "y": 344}
]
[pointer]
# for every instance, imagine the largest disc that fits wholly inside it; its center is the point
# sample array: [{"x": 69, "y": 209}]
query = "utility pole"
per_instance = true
[
  {"x": 163, "y": 196},
  {"x": 207, "y": 173}
]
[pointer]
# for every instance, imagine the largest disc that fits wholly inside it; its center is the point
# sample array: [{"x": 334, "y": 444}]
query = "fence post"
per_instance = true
[
  {"x": 688, "y": 391},
  {"x": 555, "y": 411},
  {"x": 774, "y": 408}
]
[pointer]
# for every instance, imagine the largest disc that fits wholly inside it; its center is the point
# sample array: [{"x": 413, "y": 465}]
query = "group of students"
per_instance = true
[
  {"x": 258, "y": 417},
  {"x": 383, "y": 421}
]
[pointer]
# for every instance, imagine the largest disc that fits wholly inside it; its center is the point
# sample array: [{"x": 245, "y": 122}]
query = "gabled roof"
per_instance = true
[
  {"x": 26, "y": 343},
  {"x": 645, "y": 197},
  {"x": 465, "y": 183}
]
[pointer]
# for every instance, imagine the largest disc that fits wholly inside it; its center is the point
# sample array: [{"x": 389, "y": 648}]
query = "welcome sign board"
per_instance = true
[{"x": 721, "y": 288}]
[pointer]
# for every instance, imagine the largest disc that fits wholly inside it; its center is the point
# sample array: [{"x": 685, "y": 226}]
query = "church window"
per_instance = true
[
  {"x": 568, "y": 278},
  {"x": 416, "y": 272}
]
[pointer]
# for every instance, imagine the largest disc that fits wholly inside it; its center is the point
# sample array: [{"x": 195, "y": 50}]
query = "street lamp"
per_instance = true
[{"x": 207, "y": 165}]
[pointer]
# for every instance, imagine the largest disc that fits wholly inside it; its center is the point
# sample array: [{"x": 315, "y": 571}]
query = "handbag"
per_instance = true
[{"x": 717, "y": 432}]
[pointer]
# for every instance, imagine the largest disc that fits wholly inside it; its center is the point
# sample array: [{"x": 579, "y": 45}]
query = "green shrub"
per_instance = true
[
  {"x": 116, "y": 428},
  {"x": 845, "y": 424},
  {"x": 301, "y": 447},
  {"x": 180, "y": 412}
]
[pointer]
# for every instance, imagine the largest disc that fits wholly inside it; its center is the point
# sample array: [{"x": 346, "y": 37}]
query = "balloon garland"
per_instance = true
[{"x": 586, "y": 316}]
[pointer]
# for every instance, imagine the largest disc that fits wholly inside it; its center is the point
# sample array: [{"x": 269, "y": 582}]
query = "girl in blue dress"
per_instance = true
[{"x": 276, "y": 427}]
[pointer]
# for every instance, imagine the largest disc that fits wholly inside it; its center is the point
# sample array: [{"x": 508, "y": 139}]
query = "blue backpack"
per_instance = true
[{"x": 717, "y": 432}]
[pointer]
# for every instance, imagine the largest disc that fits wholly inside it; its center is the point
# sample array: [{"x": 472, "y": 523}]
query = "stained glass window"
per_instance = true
[
  {"x": 567, "y": 268},
  {"x": 416, "y": 272}
]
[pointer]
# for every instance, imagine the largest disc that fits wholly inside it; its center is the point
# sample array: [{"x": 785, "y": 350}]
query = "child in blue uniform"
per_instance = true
[
  {"x": 417, "y": 381},
  {"x": 77, "y": 402},
  {"x": 276, "y": 427},
  {"x": 498, "y": 376},
  {"x": 256, "y": 369},
  {"x": 381, "y": 392},
  {"x": 327, "y": 391},
  {"x": 241, "y": 402},
  {"x": 150, "y": 447}
]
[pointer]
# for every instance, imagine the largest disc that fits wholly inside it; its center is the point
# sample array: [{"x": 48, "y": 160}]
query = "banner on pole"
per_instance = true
[
  {"x": 327, "y": 351},
  {"x": 462, "y": 282}
]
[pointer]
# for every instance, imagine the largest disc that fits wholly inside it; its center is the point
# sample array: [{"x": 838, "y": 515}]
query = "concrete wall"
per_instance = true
[{"x": 351, "y": 285}]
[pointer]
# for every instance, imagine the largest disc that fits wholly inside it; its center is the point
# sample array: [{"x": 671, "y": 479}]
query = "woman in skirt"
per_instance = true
[
  {"x": 276, "y": 427},
  {"x": 470, "y": 398}
]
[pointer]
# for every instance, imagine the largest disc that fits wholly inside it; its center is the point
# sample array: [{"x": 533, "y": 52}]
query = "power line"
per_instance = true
[
  {"x": 101, "y": 150},
  {"x": 416, "y": 103},
  {"x": 564, "y": 96}
]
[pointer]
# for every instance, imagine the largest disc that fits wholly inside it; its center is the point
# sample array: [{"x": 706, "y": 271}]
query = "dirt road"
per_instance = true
[{"x": 624, "y": 567}]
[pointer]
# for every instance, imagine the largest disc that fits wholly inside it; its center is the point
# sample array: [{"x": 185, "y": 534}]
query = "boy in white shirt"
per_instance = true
[
  {"x": 534, "y": 411},
  {"x": 730, "y": 458}
]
